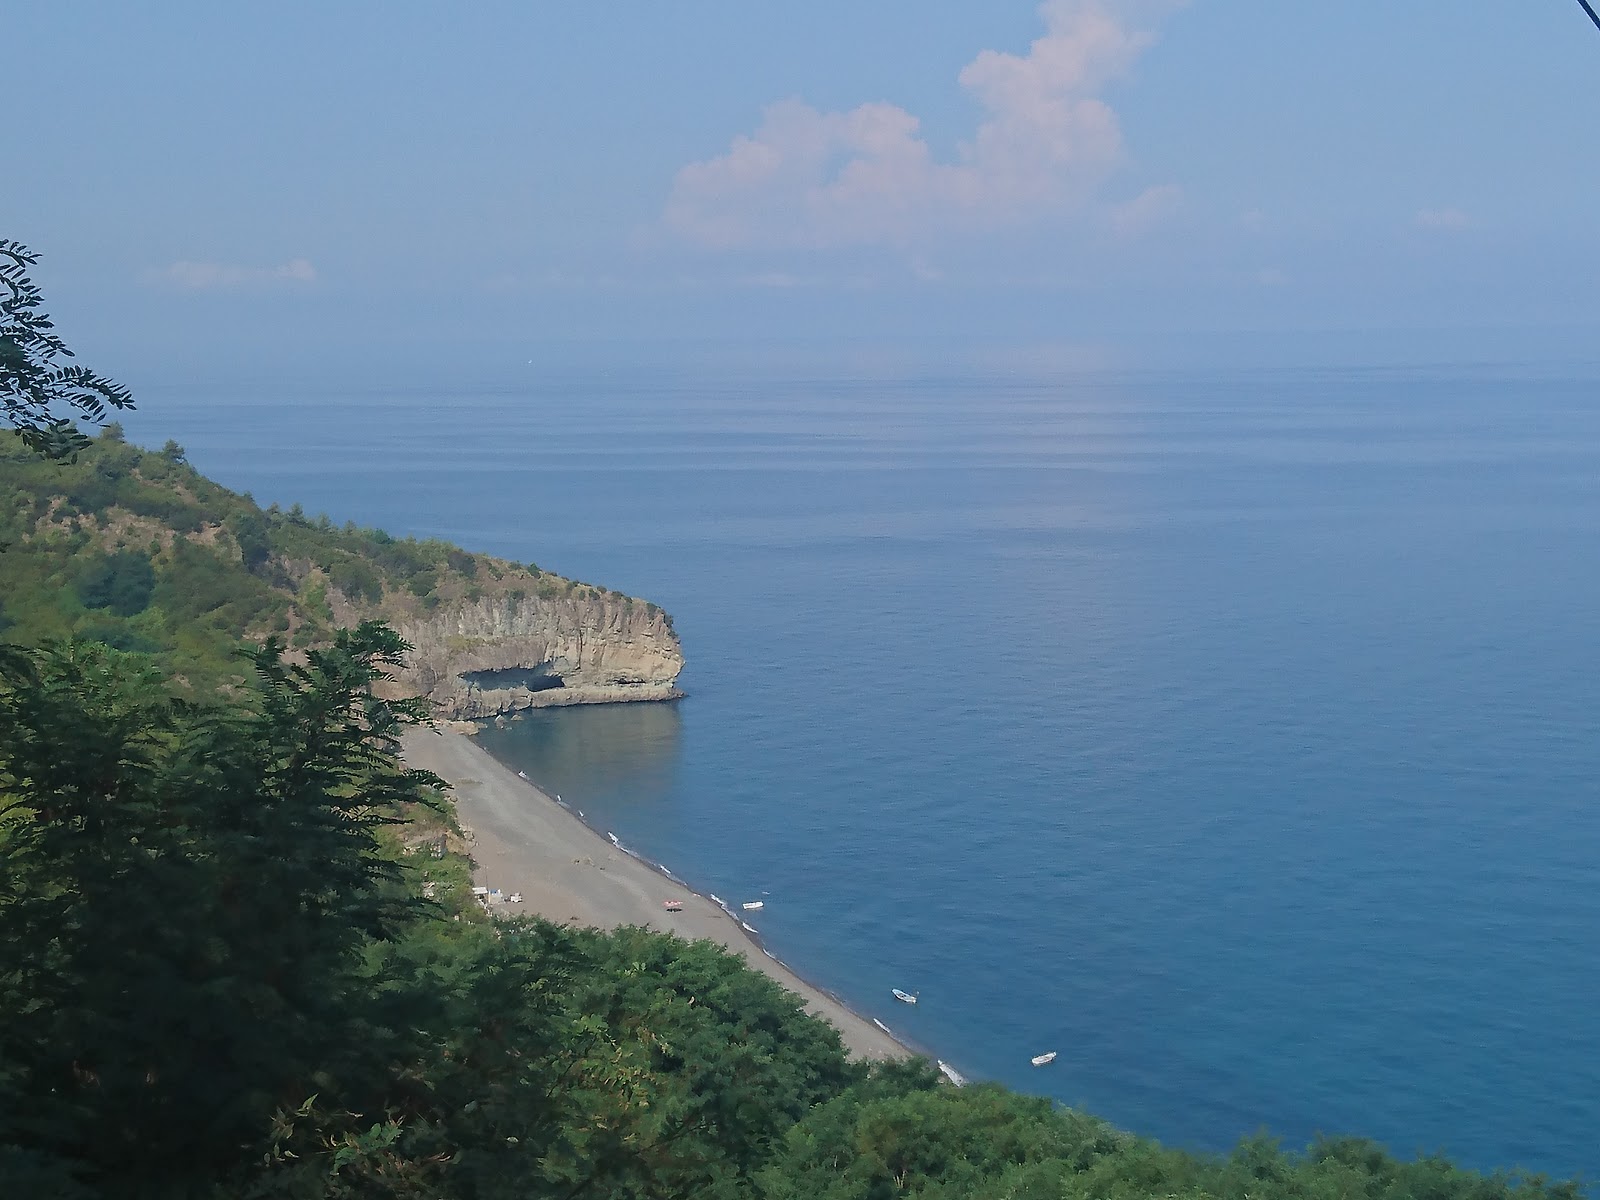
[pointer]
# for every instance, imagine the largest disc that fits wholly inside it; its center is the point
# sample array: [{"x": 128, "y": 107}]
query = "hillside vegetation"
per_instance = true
[{"x": 137, "y": 550}]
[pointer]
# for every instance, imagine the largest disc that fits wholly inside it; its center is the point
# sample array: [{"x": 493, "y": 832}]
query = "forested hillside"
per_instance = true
[{"x": 138, "y": 551}]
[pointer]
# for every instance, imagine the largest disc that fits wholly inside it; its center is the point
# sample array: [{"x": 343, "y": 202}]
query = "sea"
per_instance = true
[{"x": 1231, "y": 733}]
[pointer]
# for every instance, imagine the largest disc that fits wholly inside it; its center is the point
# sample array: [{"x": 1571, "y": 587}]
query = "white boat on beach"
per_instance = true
[
  {"x": 907, "y": 997},
  {"x": 950, "y": 1073},
  {"x": 1040, "y": 1060},
  {"x": 752, "y": 905}
]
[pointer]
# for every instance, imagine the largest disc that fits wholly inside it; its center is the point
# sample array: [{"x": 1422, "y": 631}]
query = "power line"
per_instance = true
[{"x": 1593, "y": 16}]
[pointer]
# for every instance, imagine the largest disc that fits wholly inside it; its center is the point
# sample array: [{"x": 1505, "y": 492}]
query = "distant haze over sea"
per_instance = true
[{"x": 1230, "y": 732}]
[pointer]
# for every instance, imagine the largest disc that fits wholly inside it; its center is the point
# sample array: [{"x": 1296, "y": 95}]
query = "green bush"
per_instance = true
[
  {"x": 249, "y": 530},
  {"x": 120, "y": 637},
  {"x": 356, "y": 580},
  {"x": 123, "y": 582}
]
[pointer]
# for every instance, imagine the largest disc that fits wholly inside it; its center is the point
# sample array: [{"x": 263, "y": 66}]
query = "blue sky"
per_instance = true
[{"x": 1131, "y": 180}]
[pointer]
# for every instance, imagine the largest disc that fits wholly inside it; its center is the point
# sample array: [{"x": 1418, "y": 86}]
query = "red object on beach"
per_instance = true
[{"x": 672, "y": 905}]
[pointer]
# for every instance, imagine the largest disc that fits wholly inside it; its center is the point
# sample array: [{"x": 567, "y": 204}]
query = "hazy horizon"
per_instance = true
[{"x": 1127, "y": 182}]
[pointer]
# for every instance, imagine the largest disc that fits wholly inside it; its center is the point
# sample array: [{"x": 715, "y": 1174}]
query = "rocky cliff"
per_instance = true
[{"x": 492, "y": 655}]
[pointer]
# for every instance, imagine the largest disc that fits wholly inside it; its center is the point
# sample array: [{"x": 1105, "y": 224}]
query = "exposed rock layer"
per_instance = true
[{"x": 484, "y": 657}]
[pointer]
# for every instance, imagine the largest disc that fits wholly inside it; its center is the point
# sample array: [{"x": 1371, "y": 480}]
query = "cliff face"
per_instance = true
[{"x": 484, "y": 657}]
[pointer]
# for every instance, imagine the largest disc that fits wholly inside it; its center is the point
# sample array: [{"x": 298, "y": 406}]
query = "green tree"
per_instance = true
[
  {"x": 122, "y": 581},
  {"x": 905, "y": 1133},
  {"x": 249, "y": 529},
  {"x": 185, "y": 895},
  {"x": 356, "y": 579},
  {"x": 38, "y": 392}
]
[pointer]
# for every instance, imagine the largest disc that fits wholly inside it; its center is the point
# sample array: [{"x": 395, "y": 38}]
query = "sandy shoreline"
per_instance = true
[{"x": 523, "y": 841}]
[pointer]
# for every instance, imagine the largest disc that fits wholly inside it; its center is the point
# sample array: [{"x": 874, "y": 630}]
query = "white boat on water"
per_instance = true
[
  {"x": 752, "y": 905},
  {"x": 1040, "y": 1060},
  {"x": 905, "y": 996}
]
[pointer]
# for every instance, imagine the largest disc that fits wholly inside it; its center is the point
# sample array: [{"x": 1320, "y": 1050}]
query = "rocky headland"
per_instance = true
[{"x": 496, "y": 654}]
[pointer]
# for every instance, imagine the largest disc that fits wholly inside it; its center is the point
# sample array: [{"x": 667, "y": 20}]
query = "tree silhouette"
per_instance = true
[{"x": 37, "y": 391}]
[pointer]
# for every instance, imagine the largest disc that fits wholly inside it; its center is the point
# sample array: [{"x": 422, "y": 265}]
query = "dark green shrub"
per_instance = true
[
  {"x": 122, "y": 582},
  {"x": 120, "y": 637},
  {"x": 356, "y": 580},
  {"x": 249, "y": 529}
]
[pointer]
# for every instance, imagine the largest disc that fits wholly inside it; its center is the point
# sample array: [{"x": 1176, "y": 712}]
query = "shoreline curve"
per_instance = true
[{"x": 571, "y": 872}]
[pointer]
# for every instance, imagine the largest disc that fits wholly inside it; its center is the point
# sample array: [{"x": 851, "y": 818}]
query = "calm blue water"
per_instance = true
[{"x": 1231, "y": 734}]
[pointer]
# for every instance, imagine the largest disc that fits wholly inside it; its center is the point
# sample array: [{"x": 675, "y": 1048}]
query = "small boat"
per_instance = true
[
  {"x": 881, "y": 1026},
  {"x": 905, "y": 996},
  {"x": 1040, "y": 1060},
  {"x": 515, "y": 898},
  {"x": 747, "y": 927},
  {"x": 752, "y": 905},
  {"x": 950, "y": 1073},
  {"x": 672, "y": 905},
  {"x": 522, "y": 774},
  {"x": 613, "y": 838}
]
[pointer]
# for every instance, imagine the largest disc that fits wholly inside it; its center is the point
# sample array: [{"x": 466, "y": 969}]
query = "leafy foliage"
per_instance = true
[
  {"x": 38, "y": 393},
  {"x": 186, "y": 891}
]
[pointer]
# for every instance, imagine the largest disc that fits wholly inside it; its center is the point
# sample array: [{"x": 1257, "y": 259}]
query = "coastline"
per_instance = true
[{"x": 525, "y": 841}]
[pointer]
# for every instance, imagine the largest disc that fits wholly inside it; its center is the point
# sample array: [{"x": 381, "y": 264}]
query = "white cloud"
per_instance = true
[
  {"x": 1148, "y": 209},
  {"x": 209, "y": 276},
  {"x": 1443, "y": 218},
  {"x": 867, "y": 176}
]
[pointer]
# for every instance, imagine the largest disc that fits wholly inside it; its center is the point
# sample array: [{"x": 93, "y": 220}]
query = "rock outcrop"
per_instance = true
[{"x": 481, "y": 658}]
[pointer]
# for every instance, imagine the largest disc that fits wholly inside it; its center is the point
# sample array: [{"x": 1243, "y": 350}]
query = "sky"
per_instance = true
[{"x": 1131, "y": 181}]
